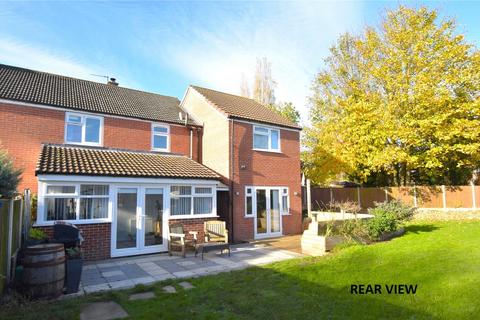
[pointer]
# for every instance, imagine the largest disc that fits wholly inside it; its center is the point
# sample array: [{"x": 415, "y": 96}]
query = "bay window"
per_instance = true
[
  {"x": 76, "y": 202},
  {"x": 266, "y": 139},
  {"x": 191, "y": 200},
  {"x": 83, "y": 129}
]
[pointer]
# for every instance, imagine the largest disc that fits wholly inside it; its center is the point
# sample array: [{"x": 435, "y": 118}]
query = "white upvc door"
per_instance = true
[
  {"x": 140, "y": 220},
  {"x": 268, "y": 219}
]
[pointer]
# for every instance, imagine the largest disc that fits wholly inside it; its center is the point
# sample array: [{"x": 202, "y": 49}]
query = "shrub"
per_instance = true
[
  {"x": 387, "y": 217},
  {"x": 9, "y": 176},
  {"x": 401, "y": 211},
  {"x": 37, "y": 234},
  {"x": 382, "y": 222}
]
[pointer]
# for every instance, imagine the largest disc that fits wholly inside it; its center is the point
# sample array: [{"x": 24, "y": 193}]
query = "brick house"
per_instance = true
[{"x": 123, "y": 164}]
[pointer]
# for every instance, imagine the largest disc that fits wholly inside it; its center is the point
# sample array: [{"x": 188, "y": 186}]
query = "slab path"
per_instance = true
[{"x": 123, "y": 273}]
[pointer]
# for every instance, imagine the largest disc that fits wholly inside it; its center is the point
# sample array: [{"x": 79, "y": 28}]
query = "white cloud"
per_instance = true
[
  {"x": 294, "y": 38},
  {"x": 21, "y": 54}
]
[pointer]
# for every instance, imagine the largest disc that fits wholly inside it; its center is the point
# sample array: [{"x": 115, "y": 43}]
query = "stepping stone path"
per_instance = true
[
  {"x": 142, "y": 296},
  {"x": 103, "y": 311},
  {"x": 169, "y": 289},
  {"x": 186, "y": 285}
]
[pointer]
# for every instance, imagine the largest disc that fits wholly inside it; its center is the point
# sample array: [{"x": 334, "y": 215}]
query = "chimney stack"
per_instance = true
[{"x": 112, "y": 82}]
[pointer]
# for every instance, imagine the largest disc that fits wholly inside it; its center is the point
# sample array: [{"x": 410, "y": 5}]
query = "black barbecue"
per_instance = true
[{"x": 67, "y": 233}]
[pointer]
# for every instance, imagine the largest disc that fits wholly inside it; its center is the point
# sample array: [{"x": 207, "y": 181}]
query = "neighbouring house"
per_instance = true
[{"x": 123, "y": 164}]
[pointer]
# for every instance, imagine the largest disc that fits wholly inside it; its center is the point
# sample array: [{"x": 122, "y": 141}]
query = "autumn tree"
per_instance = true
[
  {"x": 263, "y": 91},
  {"x": 398, "y": 103},
  {"x": 288, "y": 110}
]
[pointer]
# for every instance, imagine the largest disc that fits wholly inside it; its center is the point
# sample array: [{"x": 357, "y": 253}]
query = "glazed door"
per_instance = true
[
  {"x": 139, "y": 224},
  {"x": 268, "y": 220}
]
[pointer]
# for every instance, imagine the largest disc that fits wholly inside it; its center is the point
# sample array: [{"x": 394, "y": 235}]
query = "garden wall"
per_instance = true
[{"x": 422, "y": 197}]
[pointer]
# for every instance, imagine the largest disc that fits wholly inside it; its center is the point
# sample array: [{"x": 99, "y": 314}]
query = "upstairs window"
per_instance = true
[
  {"x": 160, "y": 137},
  {"x": 266, "y": 139},
  {"x": 83, "y": 129}
]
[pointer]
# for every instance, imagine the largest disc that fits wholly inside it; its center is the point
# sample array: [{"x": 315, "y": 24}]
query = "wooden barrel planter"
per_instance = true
[{"x": 44, "y": 270}]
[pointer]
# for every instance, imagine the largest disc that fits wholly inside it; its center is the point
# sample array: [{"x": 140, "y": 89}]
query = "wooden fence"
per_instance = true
[
  {"x": 14, "y": 224},
  {"x": 422, "y": 197}
]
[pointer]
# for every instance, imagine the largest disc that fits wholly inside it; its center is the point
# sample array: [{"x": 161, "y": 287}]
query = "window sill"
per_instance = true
[
  {"x": 193, "y": 216},
  {"x": 88, "y": 144},
  {"x": 89, "y": 221},
  {"x": 160, "y": 150},
  {"x": 249, "y": 216},
  {"x": 265, "y": 150}
]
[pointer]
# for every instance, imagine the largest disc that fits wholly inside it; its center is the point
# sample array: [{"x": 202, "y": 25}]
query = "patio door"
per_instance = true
[
  {"x": 268, "y": 220},
  {"x": 139, "y": 224}
]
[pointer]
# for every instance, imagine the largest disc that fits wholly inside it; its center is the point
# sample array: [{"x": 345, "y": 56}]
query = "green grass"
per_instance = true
[{"x": 442, "y": 258}]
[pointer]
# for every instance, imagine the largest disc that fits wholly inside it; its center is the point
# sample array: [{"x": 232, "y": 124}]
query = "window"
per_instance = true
[
  {"x": 266, "y": 139},
  {"x": 160, "y": 137},
  {"x": 76, "y": 202},
  {"x": 248, "y": 202},
  {"x": 285, "y": 204},
  {"x": 252, "y": 198},
  {"x": 186, "y": 200},
  {"x": 83, "y": 129}
]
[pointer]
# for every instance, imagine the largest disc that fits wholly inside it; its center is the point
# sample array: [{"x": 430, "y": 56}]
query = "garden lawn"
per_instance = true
[{"x": 442, "y": 258}]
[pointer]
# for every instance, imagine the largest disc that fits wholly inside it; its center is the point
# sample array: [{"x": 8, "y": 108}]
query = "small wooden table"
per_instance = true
[{"x": 206, "y": 247}]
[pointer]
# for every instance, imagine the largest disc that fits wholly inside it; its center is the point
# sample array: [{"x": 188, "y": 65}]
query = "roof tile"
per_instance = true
[
  {"x": 59, "y": 91},
  {"x": 76, "y": 160},
  {"x": 244, "y": 108}
]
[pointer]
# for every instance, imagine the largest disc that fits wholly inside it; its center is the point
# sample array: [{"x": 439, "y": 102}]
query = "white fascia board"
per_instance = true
[{"x": 106, "y": 179}]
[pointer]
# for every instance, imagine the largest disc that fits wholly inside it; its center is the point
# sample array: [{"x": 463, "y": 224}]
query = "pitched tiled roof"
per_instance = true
[
  {"x": 244, "y": 108},
  {"x": 54, "y": 90},
  {"x": 74, "y": 160}
]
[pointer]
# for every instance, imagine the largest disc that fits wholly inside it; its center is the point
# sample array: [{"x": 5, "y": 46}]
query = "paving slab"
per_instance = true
[
  {"x": 184, "y": 274},
  {"x": 103, "y": 311},
  {"x": 142, "y": 296},
  {"x": 169, "y": 289},
  {"x": 186, "y": 285},
  {"x": 164, "y": 276},
  {"x": 113, "y": 273}
]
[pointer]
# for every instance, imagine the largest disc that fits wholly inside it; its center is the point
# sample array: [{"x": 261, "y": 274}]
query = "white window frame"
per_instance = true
[
  {"x": 162, "y": 134},
  {"x": 269, "y": 135},
  {"x": 42, "y": 208},
  {"x": 285, "y": 212},
  {"x": 249, "y": 195},
  {"x": 193, "y": 195},
  {"x": 253, "y": 194},
  {"x": 83, "y": 117}
]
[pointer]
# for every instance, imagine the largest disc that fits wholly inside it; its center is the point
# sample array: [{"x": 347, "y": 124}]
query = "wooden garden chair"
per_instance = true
[
  {"x": 177, "y": 239},
  {"x": 215, "y": 231},
  {"x": 216, "y": 237}
]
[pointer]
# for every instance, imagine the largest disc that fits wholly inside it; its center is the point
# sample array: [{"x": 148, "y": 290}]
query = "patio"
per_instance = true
[{"x": 123, "y": 273}]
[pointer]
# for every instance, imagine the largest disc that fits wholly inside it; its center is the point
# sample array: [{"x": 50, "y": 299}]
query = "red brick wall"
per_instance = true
[
  {"x": 265, "y": 169},
  {"x": 96, "y": 244},
  {"x": 23, "y": 129}
]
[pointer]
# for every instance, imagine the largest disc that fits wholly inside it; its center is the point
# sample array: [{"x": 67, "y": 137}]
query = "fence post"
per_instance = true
[
  {"x": 27, "y": 214},
  {"x": 9, "y": 239},
  {"x": 331, "y": 195},
  {"x": 444, "y": 197},
  {"x": 474, "y": 200},
  {"x": 309, "y": 199},
  {"x": 386, "y": 195},
  {"x": 358, "y": 197},
  {"x": 415, "y": 203}
]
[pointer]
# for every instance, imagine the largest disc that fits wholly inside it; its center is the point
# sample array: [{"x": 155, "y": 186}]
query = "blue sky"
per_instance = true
[{"x": 165, "y": 46}]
